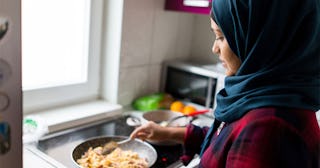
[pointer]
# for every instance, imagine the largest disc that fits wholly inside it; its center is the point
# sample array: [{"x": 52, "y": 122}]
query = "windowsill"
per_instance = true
[{"x": 77, "y": 115}]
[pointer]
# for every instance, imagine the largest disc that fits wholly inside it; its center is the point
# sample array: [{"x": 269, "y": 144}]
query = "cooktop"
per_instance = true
[{"x": 60, "y": 145}]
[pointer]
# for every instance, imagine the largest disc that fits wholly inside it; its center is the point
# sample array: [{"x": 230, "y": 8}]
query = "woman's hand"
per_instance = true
[
  {"x": 150, "y": 131},
  {"x": 155, "y": 132}
]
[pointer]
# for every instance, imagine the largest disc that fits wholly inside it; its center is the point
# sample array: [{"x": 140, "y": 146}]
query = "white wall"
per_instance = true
[{"x": 150, "y": 36}]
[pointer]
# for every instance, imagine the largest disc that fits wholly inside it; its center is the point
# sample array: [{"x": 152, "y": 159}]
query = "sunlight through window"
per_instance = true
[{"x": 55, "y": 42}]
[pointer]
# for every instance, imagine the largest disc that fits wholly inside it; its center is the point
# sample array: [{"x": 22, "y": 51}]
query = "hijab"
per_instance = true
[{"x": 277, "y": 42}]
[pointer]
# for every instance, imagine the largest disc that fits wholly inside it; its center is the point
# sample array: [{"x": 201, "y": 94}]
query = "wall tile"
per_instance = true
[
  {"x": 185, "y": 35},
  {"x": 165, "y": 34},
  {"x": 138, "y": 81},
  {"x": 137, "y": 32},
  {"x": 154, "y": 78},
  {"x": 133, "y": 83},
  {"x": 150, "y": 36},
  {"x": 202, "y": 41}
]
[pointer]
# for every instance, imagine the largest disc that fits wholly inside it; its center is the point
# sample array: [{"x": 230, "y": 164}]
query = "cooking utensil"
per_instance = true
[
  {"x": 143, "y": 149},
  {"x": 112, "y": 145}
]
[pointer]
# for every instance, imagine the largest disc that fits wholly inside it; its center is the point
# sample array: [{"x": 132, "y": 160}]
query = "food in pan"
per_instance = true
[{"x": 118, "y": 158}]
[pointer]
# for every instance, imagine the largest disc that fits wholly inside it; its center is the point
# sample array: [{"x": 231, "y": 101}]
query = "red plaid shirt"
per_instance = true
[{"x": 263, "y": 138}]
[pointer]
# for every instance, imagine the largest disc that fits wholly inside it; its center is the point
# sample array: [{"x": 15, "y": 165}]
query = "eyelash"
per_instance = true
[{"x": 219, "y": 38}]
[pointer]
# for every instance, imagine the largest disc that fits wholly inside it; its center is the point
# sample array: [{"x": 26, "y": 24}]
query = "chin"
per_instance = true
[{"x": 229, "y": 73}]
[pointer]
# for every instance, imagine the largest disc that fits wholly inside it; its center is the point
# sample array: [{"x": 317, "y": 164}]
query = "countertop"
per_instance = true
[
  {"x": 56, "y": 120},
  {"x": 35, "y": 158},
  {"x": 32, "y": 158}
]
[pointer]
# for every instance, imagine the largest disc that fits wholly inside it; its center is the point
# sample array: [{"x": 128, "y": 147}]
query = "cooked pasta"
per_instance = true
[{"x": 118, "y": 158}]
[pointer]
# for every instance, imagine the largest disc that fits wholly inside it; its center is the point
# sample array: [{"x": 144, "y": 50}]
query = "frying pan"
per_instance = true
[
  {"x": 173, "y": 119},
  {"x": 158, "y": 116},
  {"x": 143, "y": 149}
]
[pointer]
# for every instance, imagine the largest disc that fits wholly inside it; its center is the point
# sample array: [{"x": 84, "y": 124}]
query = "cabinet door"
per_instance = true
[{"x": 191, "y": 6}]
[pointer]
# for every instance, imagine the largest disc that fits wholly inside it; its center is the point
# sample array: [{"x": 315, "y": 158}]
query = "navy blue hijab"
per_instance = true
[{"x": 277, "y": 42}]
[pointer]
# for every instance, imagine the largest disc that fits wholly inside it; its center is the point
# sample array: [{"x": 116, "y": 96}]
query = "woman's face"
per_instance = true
[{"x": 221, "y": 47}]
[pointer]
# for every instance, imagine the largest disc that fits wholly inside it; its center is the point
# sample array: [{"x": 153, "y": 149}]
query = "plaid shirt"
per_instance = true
[{"x": 263, "y": 138}]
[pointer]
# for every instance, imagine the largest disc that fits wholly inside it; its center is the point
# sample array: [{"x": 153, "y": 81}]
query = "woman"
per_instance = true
[{"x": 266, "y": 112}]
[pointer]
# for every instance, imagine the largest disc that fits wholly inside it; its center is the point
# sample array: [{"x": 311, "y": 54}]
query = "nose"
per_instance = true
[{"x": 215, "y": 48}]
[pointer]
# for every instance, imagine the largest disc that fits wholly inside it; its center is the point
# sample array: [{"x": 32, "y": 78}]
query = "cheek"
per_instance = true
[
  {"x": 232, "y": 61},
  {"x": 225, "y": 53},
  {"x": 234, "y": 64}
]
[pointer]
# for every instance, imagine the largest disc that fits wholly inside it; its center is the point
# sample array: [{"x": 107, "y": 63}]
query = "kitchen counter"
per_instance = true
[
  {"x": 32, "y": 157},
  {"x": 55, "y": 120},
  {"x": 37, "y": 155},
  {"x": 32, "y": 160}
]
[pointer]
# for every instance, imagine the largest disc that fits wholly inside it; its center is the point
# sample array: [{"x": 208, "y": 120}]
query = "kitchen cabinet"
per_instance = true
[{"x": 190, "y": 6}]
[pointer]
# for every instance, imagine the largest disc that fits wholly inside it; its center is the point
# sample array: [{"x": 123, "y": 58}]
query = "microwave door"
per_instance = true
[{"x": 189, "y": 86}]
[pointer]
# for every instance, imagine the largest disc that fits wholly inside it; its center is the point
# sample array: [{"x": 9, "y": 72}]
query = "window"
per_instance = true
[{"x": 60, "y": 52}]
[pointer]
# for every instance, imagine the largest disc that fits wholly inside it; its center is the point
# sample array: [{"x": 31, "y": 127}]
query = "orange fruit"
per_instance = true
[
  {"x": 177, "y": 106},
  {"x": 189, "y": 109}
]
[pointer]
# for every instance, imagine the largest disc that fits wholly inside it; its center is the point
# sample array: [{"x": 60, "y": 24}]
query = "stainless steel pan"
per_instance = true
[
  {"x": 159, "y": 116},
  {"x": 144, "y": 149}
]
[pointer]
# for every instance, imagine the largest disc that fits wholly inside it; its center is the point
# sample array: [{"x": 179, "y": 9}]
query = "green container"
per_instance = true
[{"x": 152, "y": 102}]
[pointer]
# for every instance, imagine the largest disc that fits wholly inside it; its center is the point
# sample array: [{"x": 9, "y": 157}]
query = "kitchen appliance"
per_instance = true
[
  {"x": 59, "y": 146},
  {"x": 193, "y": 83},
  {"x": 10, "y": 84}
]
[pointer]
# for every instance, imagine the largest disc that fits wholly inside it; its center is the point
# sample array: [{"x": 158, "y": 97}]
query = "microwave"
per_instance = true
[{"x": 193, "y": 83}]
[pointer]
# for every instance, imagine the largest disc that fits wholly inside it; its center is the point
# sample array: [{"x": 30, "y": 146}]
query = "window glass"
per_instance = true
[
  {"x": 60, "y": 52},
  {"x": 54, "y": 42}
]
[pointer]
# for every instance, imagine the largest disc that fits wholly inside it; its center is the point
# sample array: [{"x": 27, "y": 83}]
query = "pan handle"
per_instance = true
[{"x": 198, "y": 112}]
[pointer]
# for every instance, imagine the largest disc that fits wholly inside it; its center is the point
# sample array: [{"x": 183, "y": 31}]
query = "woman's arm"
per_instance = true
[{"x": 153, "y": 131}]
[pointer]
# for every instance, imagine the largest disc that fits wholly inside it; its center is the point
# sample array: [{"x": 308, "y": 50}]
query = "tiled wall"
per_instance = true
[
  {"x": 202, "y": 41},
  {"x": 150, "y": 36}
]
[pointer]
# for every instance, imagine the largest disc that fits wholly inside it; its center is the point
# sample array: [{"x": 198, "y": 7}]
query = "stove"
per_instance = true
[{"x": 59, "y": 146}]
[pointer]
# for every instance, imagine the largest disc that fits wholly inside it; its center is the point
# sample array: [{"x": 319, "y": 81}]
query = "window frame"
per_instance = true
[{"x": 46, "y": 98}]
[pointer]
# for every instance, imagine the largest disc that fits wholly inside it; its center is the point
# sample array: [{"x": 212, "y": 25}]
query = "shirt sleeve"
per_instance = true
[
  {"x": 268, "y": 143},
  {"x": 192, "y": 142}
]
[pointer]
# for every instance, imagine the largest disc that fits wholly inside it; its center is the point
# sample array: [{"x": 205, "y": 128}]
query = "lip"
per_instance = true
[{"x": 223, "y": 64}]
